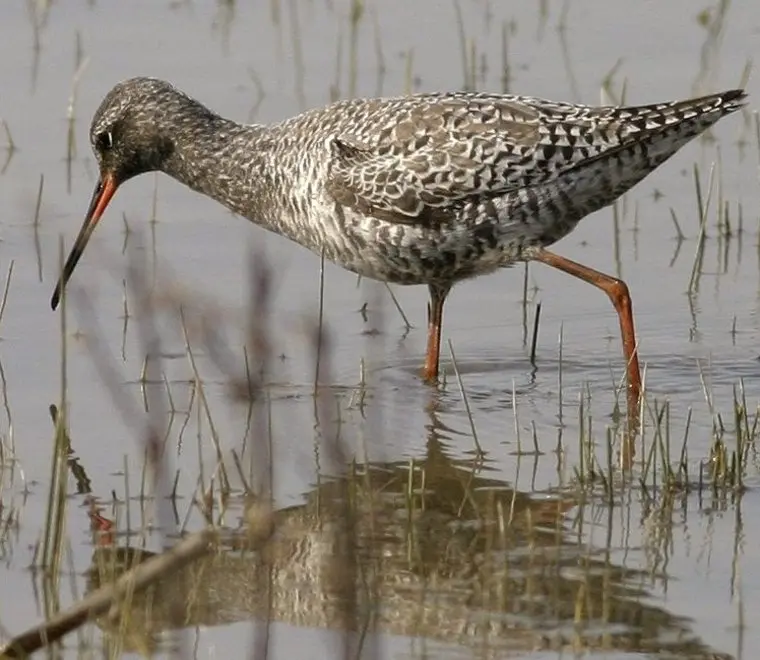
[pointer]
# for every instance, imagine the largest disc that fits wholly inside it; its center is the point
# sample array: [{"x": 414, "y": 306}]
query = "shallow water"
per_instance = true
[{"x": 265, "y": 61}]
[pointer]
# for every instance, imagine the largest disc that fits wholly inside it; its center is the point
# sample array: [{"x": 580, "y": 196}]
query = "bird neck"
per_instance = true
[{"x": 224, "y": 160}]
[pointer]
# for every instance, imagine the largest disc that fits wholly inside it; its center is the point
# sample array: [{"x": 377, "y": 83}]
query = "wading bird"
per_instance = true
[{"x": 425, "y": 189}]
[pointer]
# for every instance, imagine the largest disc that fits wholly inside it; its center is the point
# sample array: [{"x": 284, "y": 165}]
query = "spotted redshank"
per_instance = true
[{"x": 425, "y": 189}]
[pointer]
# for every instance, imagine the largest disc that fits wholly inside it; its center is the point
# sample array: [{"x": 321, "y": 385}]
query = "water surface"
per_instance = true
[{"x": 266, "y": 61}]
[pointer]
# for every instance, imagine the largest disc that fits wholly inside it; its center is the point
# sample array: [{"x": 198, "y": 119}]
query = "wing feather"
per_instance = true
[{"x": 433, "y": 157}]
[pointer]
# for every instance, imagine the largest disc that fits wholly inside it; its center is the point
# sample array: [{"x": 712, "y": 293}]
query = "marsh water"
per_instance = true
[{"x": 570, "y": 570}]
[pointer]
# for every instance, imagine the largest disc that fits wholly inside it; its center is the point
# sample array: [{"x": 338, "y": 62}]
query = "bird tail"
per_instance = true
[
  {"x": 691, "y": 116},
  {"x": 660, "y": 131},
  {"x": 654, "y": 133}
]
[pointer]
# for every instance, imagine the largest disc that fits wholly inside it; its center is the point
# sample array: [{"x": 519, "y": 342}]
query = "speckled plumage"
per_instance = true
[
  {"x": 412, "y": 190},
  {"x": 426, "y": 189}
]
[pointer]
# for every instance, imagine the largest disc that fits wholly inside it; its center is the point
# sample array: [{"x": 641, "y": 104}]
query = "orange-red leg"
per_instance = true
[
  {"x": 435, "y": 320},
  {"x": 618, "y": 293},
  {"x": 104, "y": 528}
]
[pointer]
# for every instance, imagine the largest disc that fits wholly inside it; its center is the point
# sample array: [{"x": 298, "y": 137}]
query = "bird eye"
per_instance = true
[{"x": 105, "y": 140}]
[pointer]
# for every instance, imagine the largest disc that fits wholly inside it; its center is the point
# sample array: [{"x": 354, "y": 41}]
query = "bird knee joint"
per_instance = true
[{"x": 618, "y": 291}]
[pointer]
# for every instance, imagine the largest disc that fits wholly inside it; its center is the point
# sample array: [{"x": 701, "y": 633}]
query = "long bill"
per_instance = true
[{"x": 104, "y": 191}]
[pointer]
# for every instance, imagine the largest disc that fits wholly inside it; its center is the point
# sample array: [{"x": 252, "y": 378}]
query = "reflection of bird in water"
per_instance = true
[
  {"x": 436, "y": 553},
  {"x": 427, "y": 189}
]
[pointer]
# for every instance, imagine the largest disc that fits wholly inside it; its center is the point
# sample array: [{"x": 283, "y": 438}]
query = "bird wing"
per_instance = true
[
  {"x": 438, "y": 153},
  {"x": 419, "y": 159}
]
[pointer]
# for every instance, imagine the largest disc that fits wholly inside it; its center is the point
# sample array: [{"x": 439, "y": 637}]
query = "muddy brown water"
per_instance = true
[{"x": 264, "y": 61}]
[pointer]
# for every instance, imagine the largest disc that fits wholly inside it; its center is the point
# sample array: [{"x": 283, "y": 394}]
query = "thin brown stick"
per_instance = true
[{"x": 101, "y": 600}]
